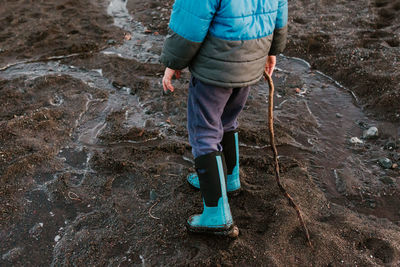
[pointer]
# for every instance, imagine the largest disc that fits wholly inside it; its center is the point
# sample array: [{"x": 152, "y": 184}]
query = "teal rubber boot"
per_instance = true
[
  {"x": 230, "y": 148},
  {"x": 216, "y": 217}
]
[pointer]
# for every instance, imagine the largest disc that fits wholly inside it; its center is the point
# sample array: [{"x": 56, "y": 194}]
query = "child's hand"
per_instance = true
[
  {"x": 166, "y": 81},
  {"x": 270, "y": 65}
]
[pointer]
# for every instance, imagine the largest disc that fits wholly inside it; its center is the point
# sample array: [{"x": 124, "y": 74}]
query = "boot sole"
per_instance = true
[{"x": 232, "y": 231}]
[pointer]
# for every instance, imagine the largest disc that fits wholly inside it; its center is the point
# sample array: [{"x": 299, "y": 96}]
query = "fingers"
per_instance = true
[
  {"x": 270, "y": 70},
  {"x": 270, "y": 66},
  {"x": 166, "y": 81},
  {"x": 167, "y": 85}
]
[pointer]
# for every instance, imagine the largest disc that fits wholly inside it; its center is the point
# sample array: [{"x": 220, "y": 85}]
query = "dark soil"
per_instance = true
[
  {"x": 93, "y": 157},
  {"x": 53, "y": 28},
  {"x": 357, "y": 42}
]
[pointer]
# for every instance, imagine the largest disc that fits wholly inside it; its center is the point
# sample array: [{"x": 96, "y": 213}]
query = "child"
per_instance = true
[{"x": 227, "y": 45}]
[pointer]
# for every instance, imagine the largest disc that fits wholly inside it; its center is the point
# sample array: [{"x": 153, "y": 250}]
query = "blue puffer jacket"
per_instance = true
[{"x": 225, "y": 43}]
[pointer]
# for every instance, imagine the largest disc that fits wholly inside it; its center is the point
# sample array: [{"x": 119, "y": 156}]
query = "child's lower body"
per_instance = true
[{"x": 212, "y": 127}]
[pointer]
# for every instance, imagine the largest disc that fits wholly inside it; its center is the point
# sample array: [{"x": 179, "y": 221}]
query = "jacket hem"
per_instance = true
[{"x": 223, "y": 83}]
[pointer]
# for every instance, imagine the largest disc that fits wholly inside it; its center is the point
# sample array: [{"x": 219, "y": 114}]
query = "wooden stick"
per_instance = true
[{"x": 275, "y": 153}]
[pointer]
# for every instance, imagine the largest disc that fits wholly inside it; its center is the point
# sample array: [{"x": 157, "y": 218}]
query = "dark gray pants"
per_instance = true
[{"x": 212, "y": 111}]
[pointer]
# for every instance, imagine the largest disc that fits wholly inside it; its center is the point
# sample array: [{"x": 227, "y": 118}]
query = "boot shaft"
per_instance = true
[
  {"x": 211, "y": 170},
  {"x": 230, "y": 148}
]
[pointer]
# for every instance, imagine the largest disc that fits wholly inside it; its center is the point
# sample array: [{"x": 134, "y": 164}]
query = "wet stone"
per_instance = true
[
  {"x": 117, "y": 85},
  {"x": 372, "y": 132},
  {"x": 385, "y": 163},
  {"x": 390, "y": 145},
  {"x": 356, "y": 140},
  {"x": 111, "y": 42},
  {"x": 153, "y": 194},
  {"x": 396, "y": 156},
  {"x": 362, "y": 124},
  {"x": 338, "y": 115}
]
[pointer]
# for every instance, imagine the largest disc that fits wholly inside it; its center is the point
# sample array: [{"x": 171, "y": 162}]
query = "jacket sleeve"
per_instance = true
[
  {"x": 188, "y": 26},
  {"x": 280, "y": 32}
]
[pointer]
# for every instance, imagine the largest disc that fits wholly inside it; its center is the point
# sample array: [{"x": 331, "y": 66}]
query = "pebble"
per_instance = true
[
  {"x": 356, "y": 140},
  {"x": 385, "y": 163},
  {"x": 372, "y": 132},
  {"x": 338, "y": 115},
  {"x": 362, "y": 124},
  {"x": 57, "y": 238},
  {"x": 117, "y": 85},
  {"x": 153, "y": 194},
  {"x": 390, "y": 145},
  {"x": 111, "y": 42}
]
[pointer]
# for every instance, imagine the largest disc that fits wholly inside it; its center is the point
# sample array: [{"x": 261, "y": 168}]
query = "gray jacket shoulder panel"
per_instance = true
[{"x": 178, "y": 51}]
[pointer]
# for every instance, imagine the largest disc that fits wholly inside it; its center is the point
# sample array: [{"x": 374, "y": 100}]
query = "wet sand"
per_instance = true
[{"x": 93, "y": 160}]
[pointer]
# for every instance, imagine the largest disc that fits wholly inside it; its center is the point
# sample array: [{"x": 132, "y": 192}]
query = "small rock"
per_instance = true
[
  {"x": 390, "y": 145},
  {"x": 338, "y": 115},
  {"x": 372, "y": 132},
  {"x": 395, "y": 166},
  {"x": 385, "y": 163},
  {"x": 111, "y": 42},
  {"x": 57, "y": 238},
  {"x": 356, "y": 140},
  {"x": 153, "y": 195},
  {"x": 117, "y": 85},
  {"x": 1, "y": 50},
  {"x": 362, "y": 124}
]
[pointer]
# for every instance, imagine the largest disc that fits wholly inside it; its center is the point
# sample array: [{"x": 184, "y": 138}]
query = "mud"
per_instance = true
[
  {"x": 357, "y": 42},
  {"x": 93, "y": 159}
]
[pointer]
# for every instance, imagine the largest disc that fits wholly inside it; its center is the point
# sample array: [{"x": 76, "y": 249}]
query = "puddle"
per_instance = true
[
  {"x": 142, "y": 47},
  {"x": 348, "y": 173}
]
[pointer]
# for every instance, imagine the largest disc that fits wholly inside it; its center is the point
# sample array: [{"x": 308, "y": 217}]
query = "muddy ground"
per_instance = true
[
  {"x": 93, "y": 157},
  {"x": 357, "y": 43}
]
